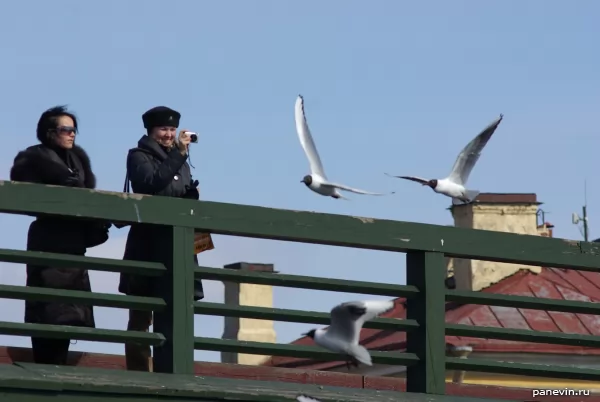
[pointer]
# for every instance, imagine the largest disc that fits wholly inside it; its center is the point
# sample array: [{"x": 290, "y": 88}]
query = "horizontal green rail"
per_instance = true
[
  {"x": 307, "y": 317},
  {"x": 426, "y": 247},
  {"x": 80, "y": 333},
  {"x": 31, "y": 293},
  {"x": 526, "y": 302},
  {"x": 535, "y": 370},
  {"x": 523, "y": 335},
  {"x": 520, "y": 335},
  {"x": 299, "y": 351},
  {"x": 299, "y": 226},
  {"x": 306, "y": 282},
  {"x": 73, "y": 261},
  {"x": 466, "y": 297}
]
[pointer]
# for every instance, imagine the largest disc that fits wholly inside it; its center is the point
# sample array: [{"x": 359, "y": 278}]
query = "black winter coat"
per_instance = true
[
  {"x": 45, "y": 165},
  {"x": 153, "y": 170}
]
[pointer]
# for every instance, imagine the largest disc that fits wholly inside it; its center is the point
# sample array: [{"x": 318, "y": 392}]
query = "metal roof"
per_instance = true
[{"x": 551, "y": 283}]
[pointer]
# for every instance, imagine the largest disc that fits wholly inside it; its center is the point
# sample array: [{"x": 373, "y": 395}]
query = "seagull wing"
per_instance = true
[
  {"x": 343, "y": 321},
  {"x": 351, "y": 189},
  {"x": 348, "y": 318},
  {"x": 316, "y": 167},
  {"x": 412, "y": 178},
  {"x": 469, "y": 156},
  {"x": 306, "y": 398}
]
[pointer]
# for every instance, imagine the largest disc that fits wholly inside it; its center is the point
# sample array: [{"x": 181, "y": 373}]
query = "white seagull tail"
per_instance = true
[
  {"x": 471, "y": 195},
  {"x": 361, "y": 354}
]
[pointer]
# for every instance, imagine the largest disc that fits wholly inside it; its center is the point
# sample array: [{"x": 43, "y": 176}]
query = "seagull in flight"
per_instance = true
[
  {"x": 343, "y": 334},
  {"x": 317, "y": 179},
  {"x": 453, "y": 186}
]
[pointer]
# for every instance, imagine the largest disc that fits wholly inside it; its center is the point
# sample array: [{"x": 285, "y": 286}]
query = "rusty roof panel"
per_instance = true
[
  {"x": 551, "y": 283},
  {"x": 507, "y": 198}
]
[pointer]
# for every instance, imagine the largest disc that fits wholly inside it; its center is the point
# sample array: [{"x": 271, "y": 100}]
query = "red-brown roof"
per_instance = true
[
  {"x": 506, "y": 198},
  {"x": 553, "y": 283}
]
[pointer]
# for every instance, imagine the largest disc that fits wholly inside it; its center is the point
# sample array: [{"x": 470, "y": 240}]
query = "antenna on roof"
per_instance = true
[
  {"x": 541, "y": 216},
  {"x": 583, "y": 219}
]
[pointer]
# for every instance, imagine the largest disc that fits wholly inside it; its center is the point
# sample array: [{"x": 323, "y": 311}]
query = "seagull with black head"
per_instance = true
[
  {"x": 343, "y": 334},
  {"x": 453, "y": 186},
  {"x": 317, "y": 180}
]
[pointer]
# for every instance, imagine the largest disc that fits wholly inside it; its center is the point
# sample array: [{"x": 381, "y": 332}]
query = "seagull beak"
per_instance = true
[{"x": 305, "y": 334}]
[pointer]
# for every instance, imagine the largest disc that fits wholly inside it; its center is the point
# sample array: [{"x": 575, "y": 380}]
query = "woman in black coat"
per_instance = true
[
  {"x": 157, "y": 166},
  {"x": 58, "y": 161}
]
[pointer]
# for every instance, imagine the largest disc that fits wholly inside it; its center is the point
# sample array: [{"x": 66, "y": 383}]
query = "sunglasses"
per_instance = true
[{"x": 66, "y": 130}]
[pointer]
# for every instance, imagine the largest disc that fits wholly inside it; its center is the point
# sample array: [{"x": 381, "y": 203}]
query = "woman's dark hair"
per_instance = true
[{"x": 49, "y": 121}]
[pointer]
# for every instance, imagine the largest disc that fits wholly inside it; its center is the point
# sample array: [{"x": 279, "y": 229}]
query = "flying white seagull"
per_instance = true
[
  {"x": 343, "y": 334},
  {"x": 453, "y": 186},
  {"x": 317, "y": 179}
]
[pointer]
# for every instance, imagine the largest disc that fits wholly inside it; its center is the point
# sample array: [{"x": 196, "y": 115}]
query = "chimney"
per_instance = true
[
  {"x": 247, "y": 329},
  {"x": 514, "y": 213},
  {"x": 545, "y": 229}
]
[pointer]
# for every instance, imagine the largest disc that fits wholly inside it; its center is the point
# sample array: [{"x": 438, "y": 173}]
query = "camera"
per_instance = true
[{"x": 193, "y": 137}]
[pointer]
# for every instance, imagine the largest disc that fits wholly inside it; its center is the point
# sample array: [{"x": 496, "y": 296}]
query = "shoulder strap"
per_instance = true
[{"x": 126, "y": 185}]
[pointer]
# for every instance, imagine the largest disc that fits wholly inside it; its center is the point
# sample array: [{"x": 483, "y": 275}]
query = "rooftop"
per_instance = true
[{"x": 551, "y": 283}]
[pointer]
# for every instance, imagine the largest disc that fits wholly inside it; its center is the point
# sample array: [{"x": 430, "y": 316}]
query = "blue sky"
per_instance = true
[{"x": 389, "y": 86}]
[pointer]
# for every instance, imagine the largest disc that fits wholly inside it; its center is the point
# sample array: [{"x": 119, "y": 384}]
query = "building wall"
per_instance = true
[{"x": 513, "y": 213}]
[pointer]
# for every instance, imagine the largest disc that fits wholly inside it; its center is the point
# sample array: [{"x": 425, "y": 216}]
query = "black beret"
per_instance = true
[{"x": 161, "y": 116}]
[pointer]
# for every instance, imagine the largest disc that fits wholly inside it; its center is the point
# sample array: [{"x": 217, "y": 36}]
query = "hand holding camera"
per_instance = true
[{"x": 184, "y": 139}]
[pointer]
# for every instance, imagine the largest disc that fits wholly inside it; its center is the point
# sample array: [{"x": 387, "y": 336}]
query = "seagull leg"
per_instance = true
[{"x": 351, "y": 361}]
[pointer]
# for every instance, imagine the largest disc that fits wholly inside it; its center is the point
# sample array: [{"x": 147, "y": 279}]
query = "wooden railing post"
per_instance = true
[
  {"x": 427, "y": 271},
  {"x": 176, "y": 323}
]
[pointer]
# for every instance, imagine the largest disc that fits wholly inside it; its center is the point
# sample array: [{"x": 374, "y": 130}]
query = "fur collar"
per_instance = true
[{"x": 40, "y": 158}]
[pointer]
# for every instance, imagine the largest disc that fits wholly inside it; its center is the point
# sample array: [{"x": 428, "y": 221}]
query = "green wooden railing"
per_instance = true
[{"x": 425, "y": 245}]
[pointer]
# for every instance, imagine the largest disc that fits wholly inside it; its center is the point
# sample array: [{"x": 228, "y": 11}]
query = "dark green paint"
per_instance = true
[
  {"x": 306, "y": 282},
  {"x": 79, "y": 333},
  {"x": 177, "y": 321},
  {"x": 525, "y": 369},
  {"x": 77, "y": 383},
  {"x": 306, "y": 352},
  {"x": 533, "y": 303},
  {"x": 300, "y": 226},
  {"x": 74, "y": 261},
  {"x": 284, "y": 315},
  {"x": 174, "y": 340},
  {"x": 522, "y": 335},
  {"x": 80, "y": 297},
  {"x": 426, "y": 271}
]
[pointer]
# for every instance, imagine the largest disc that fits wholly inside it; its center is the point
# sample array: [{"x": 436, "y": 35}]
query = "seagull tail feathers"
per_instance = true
[
  {"x": 471, "y": 195},
  {"x": 339, "y": 196},
  {"x": 362, "y": 355}
]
